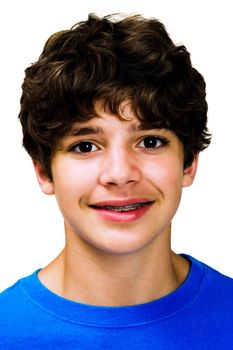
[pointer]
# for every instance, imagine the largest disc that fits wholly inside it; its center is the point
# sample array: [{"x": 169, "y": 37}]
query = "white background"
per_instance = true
[{"x": 31, "y": 231}]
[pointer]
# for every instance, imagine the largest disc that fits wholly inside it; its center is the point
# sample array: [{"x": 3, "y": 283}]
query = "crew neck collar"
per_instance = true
[{"x": 117, "y": 316}]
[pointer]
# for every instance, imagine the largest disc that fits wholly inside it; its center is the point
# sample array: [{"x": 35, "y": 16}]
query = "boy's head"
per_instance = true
[{"x": 112, "y": 60}]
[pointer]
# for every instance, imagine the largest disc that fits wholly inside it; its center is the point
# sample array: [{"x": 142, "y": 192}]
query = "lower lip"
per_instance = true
[{"x": 126, "y": 216}]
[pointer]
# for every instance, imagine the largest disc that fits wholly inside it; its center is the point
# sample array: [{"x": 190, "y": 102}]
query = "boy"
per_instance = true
[{"x": 114, "y": 117}]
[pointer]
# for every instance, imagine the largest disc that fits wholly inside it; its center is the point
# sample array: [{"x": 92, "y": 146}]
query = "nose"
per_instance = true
[{"x": 120, "y": 168}]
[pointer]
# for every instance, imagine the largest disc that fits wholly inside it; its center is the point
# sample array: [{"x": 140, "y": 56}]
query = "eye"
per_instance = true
[
  {"x": 153, "y": 142},
  {"x": 84, "y": 147}
]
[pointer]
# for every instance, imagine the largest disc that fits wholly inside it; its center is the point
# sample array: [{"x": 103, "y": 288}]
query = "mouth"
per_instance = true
[
  {"x": 122, "y": 208},
  {"x": 125, "y": 211}
]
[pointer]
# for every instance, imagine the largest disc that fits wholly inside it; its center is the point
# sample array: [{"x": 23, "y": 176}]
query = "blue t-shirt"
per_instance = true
[{"x": 198, "y": 315}]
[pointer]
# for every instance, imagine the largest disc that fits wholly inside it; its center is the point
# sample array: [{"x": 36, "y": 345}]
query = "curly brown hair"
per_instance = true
[{"x": 112, "y": 59}]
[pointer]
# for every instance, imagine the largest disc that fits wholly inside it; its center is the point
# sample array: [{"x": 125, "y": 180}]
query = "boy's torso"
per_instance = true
[{"x": 198, "y": 315}]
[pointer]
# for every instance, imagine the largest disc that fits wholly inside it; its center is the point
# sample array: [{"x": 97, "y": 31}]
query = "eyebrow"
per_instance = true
[
  {"x": 86, "y": 131},
  {"x": 96, "y": 130},
  {"x": 142, "y": 127}
]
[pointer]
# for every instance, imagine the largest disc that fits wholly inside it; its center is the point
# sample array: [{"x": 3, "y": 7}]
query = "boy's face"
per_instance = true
[{"x": 117, "y": 186}]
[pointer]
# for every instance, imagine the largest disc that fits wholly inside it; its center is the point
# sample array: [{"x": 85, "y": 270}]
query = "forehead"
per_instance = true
[
  {"x": 124, "y": 111},
  {"x": 104, "y": 125},
  {"x": 108, "y": 124}
]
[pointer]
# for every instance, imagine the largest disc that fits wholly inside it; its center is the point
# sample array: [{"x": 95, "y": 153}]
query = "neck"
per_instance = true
[{"x": 83, "y": 274}]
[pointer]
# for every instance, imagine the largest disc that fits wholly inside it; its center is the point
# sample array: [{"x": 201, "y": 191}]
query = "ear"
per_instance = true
[
  {"x": 190, "y": 172},
  {"x": 44, "y": 181}
]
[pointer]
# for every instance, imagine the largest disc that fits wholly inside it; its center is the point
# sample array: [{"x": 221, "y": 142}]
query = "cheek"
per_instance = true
[
  {"x": 166, "y": 174},
  {"x": 72, "y": 179}
]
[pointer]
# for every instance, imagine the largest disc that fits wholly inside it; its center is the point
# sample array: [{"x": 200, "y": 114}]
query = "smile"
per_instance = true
[
  {"x": 122, "y": 208},
  {"x": 124, "y": 212}
]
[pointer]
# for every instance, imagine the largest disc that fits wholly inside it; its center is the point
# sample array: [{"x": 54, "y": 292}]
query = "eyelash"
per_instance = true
[
  {"x": 74, "y": 148},
  {"x": 162, "y": 140}
]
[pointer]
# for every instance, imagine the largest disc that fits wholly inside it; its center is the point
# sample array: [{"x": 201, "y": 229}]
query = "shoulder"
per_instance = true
[
  {"x": 13, "y": 302},
  {"x": 217, "y": 280},
  {"x": 219, "y": 284},
  {"x": 9, "y": 295},
  {"x": 210, "y": 272},
  {"x": 11, "y": 311},
  {"x": 215, "y": 291}
]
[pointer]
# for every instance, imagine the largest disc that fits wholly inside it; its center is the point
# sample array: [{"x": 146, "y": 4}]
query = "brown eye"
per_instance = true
[
  {"x": 84, "y": 147},
  {"x": 153, "y": 142}
]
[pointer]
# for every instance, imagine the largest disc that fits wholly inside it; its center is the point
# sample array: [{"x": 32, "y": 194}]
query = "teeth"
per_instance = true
[{"x": 124, "y": 207}]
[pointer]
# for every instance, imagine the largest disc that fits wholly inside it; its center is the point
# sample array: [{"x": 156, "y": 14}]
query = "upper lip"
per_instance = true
[{"x": 121, "y": 202}]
